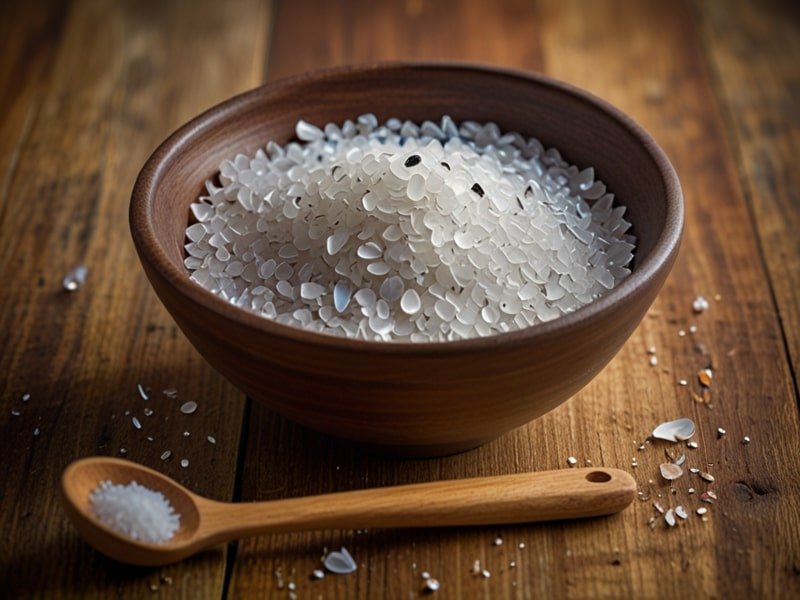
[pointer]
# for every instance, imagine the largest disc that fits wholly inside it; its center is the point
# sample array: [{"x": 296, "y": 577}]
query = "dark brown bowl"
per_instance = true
[{"x": 403, "y": 398}]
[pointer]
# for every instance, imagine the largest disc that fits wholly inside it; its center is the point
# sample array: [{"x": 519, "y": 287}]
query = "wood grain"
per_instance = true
[
  {"x": 754, "y": 50},
  {"x": 123, "y": 75}
]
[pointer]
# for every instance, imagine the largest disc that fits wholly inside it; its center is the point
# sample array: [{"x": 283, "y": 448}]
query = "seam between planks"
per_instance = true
[{"x": 734, "y": 144}]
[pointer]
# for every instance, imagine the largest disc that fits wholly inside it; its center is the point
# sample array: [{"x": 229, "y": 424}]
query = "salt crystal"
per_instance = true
[
  {"x": 669, "y": 517},
  {"x": 674, "y": 431},
  {"x": 340, "y": 562},
  {"x": 432, "y": 585},
  {"x": 135, "y": 511},
  {"x": 670, "y": 471},
  {"x": 188, "y": 408},
  {"x": 700, "y": 304},
  {"x": 291, "y": 224},
  {"x": 75, "y": 278}
]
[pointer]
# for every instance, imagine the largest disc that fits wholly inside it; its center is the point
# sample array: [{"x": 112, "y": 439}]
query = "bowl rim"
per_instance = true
[{"x": 148, "y": 180}]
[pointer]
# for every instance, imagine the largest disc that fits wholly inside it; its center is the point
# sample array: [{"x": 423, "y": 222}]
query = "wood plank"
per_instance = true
[
  {"x": 28, "y": 35},
  {"x": 124, "y": 75},
  {"x": 646, "y": 58},
  {"x": 653, "y": 59},
  {"x": 754, "y": 49}
]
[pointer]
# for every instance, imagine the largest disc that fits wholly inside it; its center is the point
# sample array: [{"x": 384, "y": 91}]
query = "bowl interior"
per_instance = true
[{"x": 586, "y": 131}]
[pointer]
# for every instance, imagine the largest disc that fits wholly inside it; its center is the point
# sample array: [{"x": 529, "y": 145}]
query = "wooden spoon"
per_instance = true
[{"x": 543, "y": 496}]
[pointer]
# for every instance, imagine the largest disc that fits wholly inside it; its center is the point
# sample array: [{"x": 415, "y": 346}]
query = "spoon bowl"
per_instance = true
[
  {"x": 520, "y": 498},
  {"x": 82, "y": 477}
]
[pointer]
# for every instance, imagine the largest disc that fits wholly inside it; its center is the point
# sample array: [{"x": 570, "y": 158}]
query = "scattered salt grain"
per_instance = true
[
  {"x": 572, "y": 461},
  {"x": 15, "y": 413},
  {"x": 460, "y": 232},
  {"x": 188, "y": 408},
  {"x": 670, "y": 471},
  {"x": 702, "y": 510},
  {"x": 184, "y": 462},
  {"x": 653, "y": 361},
  {"x": 681, "y": 512},
  {"x": 675, "y": 431},
  {"x": 136, "y": 423},
  {"x": 707, "y": 477},
  {"x": 142, "y": 392},
  {"x": 75, "y": 278},
  {"x": 498, "y": 541},
  {"x": 166, "y": 454},
  {"x": 211, "y": 439},
  {"x": 317, "y": 574},
  {"x": 692, "y": 445},
  {"x": 746, "y": 440},
  {"x": 25, "y": 397},
  {"x": 669, "y": 517},
  {"x": 36, "y": 432},
  {"x": 721, "y": 432},
  {"x": 148, "y": 412},
  {"x": 700, "y": 304},
  {"x": 186, "y": 434},
  {"x": 135, "y": 511},
  {"x": 340, "y": 562},
  {"x": 432, "y": 585}
]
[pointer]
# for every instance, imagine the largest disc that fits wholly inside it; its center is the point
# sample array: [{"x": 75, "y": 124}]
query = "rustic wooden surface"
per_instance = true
[{"x": 90, "y": 87}]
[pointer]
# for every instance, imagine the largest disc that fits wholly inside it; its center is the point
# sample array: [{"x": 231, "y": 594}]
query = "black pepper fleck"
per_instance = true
[
  {"x": 413, "y": 160},
  {"x": 445, "y": 165},
  {"x": 478, "y": 190}
]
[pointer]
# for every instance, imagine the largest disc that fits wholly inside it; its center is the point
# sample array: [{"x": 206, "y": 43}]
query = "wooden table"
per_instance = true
[{"x": 90, "y": 87}]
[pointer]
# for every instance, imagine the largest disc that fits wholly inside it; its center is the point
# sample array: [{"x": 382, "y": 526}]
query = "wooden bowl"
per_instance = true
[{"x": 403, "y": 398}]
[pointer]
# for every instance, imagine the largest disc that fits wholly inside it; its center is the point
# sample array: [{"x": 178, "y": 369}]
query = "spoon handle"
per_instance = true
[{"x": 526, "y": 497}]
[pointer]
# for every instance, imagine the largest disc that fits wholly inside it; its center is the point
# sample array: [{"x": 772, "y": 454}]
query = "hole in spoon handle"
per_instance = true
[{"x": 598, "y": 477}]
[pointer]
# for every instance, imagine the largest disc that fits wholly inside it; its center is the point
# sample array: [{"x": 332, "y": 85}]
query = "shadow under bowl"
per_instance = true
[{"x": 404, "y": 398}]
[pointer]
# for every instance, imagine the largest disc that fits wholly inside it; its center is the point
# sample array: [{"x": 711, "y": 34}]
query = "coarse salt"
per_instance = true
[
  {"x": 460, "y": 232},
  {"x": 135, "y": 511}
]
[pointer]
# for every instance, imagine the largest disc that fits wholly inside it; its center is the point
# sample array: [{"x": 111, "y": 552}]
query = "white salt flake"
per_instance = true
[
  {"x": 75, "y": 278},
  {"x": 670, "y": 471},
  {"x": 700, "y": 304},
  {"x": 492, "y": 232},
  {"x": 340, "y": 562},
  {"x": 308, "y": 132},
  {"x": 675, "y": 431},
  {"x": 669, "y": 517},
  {"x": 311, "y": 291},
  {"x": 410, "y": 302},
  {"x": 189, "y": 407}
]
